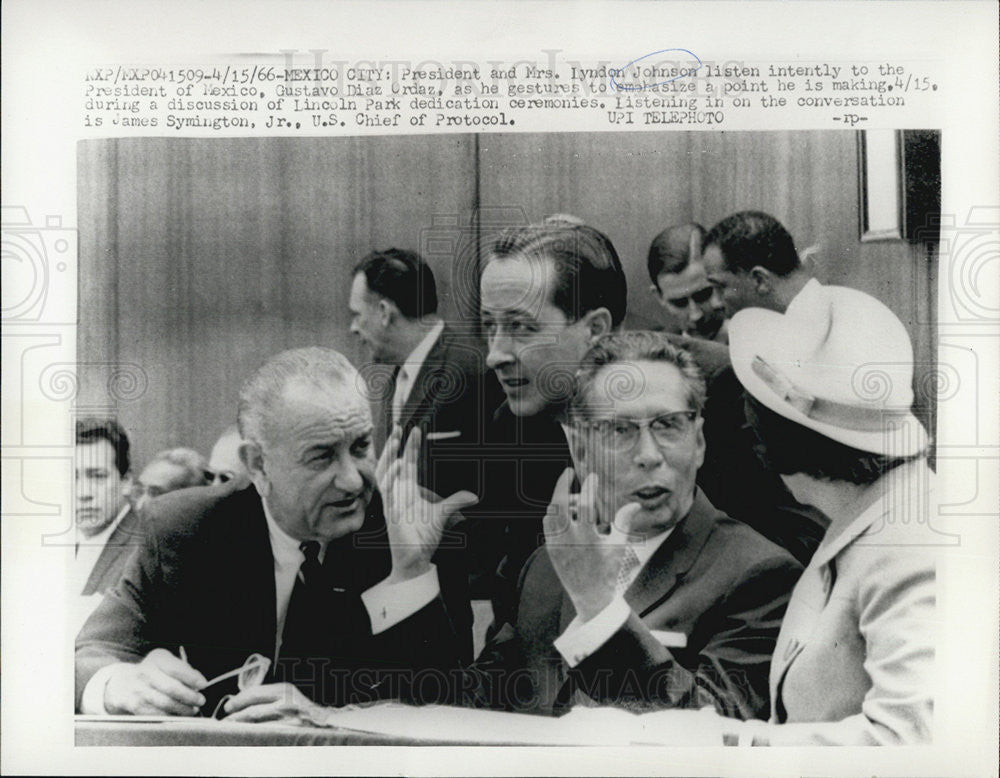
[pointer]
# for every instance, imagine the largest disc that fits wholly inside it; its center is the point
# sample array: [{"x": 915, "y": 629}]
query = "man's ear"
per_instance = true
[
  {"x": 763, "y": 280},
  {"x": 252, "y": 458},
  {"x": 598, "y": 323},
  {"x": 387, "y": 312},
  {"x": 699, "y": 455}
]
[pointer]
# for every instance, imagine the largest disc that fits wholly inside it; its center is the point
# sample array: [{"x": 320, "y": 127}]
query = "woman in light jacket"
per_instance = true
[{"x": 829, "y": 397}]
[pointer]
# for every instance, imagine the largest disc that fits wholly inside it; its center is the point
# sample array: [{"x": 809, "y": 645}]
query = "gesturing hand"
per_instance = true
[
  {"x": 415, "y": 517},
  {"x": 585, "y": 557},
  {"x": 160, "y": 683}
]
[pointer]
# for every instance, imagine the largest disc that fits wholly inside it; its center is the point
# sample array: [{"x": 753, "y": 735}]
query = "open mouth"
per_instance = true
[
  {"x": 513, "y": 383},
  {"x": 651, "y": 496},
  {"x": 346, "y": 505}
]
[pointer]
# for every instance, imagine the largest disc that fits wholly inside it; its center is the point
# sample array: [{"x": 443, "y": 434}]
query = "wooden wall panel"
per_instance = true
[
  {"x": 212, "y": 255},
  {"x": 809, "y": 182},
  {"x": 199, "y": 258},
  {"x": 628, "y": 185}
]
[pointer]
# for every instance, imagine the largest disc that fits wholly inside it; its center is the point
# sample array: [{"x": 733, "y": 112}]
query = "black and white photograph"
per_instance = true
[
  {"x": 553, "y": 420},
  {"x": 500, "y": 410}
]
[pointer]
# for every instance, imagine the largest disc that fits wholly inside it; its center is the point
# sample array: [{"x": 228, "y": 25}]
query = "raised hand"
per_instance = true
[
  {"x": 585, "y": 556},
  {"x": 160, "y": 684},
  {"x": 415, "y": 517}
]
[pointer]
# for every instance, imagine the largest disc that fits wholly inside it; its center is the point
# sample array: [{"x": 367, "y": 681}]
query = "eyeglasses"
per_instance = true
[
  {"x": 700, "y": 297},
  {"x": 250, "y": 675},
  {"x": 621, "y": 435}
]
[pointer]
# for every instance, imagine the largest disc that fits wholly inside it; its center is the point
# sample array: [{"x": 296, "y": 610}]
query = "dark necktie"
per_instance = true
[
  {"x": 320, "y": 624},
  {"x": 305, "y": 637},
  {"x": 383, "y": 426}
]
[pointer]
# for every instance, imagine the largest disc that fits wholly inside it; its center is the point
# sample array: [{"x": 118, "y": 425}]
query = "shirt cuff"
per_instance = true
[
  {"x": 583, "y": 638},
  {"x": 92, "y": 701},
  {"x": 389, "y": 604}
]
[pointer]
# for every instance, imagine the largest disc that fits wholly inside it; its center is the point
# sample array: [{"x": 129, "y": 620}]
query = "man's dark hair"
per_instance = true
[
  {"x": 670, "y": 251},
  {"x": 92, "y": 429},
  {"x": 787, "y": 448},
  {"x": 750, "y": 238},
  {"x": 589, "y": 274},
  {"x": 404, "y": 278}
]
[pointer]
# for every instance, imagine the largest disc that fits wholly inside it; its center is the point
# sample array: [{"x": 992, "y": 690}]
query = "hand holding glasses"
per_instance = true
[{"x": 249, "y": 675}]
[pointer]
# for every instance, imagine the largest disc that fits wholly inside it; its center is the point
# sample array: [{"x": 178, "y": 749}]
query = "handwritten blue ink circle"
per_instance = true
[{"x": 620, "y": 71}]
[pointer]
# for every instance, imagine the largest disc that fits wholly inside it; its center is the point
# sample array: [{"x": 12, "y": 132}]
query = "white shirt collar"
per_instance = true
[
  {"x": 284, "y": 547},
  {"x": 418, "y": 356}
]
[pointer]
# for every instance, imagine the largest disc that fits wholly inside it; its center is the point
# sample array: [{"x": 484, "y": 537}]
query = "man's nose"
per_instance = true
[
  {"x": 647, "y": 452},
  {"x": 499, "y": 351},
  {"x": 694, "y": 312},
  {"x": 348, "y": 478}
]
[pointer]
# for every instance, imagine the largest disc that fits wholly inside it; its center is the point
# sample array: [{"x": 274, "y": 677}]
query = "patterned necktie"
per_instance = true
[{"x": 630, "y": 561}]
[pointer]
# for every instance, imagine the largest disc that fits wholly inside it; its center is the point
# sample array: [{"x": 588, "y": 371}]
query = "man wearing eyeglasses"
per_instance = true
[
  {"x": 691, "y": 305},
  {"x": 314, "y": 568},
  {"x": 643, "y": 595}
]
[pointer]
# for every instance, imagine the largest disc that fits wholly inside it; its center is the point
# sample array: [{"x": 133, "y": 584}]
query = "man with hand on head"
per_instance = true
[
  {"x": 751, "y": 260},
  {"x": 643, "y": 595},
  {"x": 333, "y": 587}
]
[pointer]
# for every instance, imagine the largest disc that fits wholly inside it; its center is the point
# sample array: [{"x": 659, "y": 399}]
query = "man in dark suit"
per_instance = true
[
  {"x": 547, "y": 292},
  {"x": 309, "y": 568},
  {"x": 438, "y": 382},
  {"x": 644, "y": 595},
  {"x": 107, "y": 529}
]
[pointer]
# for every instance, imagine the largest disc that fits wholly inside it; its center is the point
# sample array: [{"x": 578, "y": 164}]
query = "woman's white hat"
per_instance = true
[{"x": 838, "y": 362}]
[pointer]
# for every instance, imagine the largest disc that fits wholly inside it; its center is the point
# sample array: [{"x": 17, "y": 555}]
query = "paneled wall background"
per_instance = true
[{"x": 199, "y": 258}]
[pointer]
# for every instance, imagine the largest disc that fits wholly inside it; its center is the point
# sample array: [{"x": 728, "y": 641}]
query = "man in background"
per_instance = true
[
  {"x": 224, "y": 461},
  {"x": 691, "y": 306},
  {"x": 107, "y": 529},
  {"x": 438, "y": 384},
  {"x": 175, "y": 468},
  {"x": 751, "y": 260}
]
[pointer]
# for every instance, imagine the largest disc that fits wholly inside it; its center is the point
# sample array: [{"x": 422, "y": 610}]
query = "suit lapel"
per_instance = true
[
  {"x": 671, "y": 561},
  {"x": 251, "y": 553},
  {"x": 417, "y": 405},
  {"x": 122, "y": 540}
]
